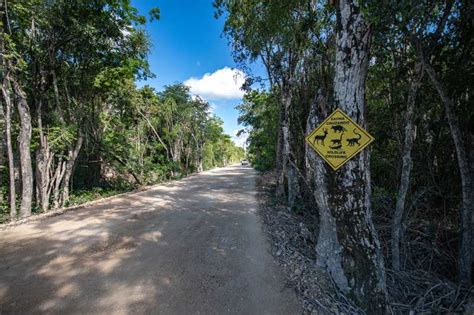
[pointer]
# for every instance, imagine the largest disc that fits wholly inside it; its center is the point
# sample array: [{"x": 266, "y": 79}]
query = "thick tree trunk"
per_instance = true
[
  {"x": 467, "y": 181},
  {"x": 44, "y": 160},
  {"x": 287, "y": 176},
  {"x": 348, "y": 245},
  {"x": 42, "y": 178},
  {"x": 24, "y": 140},
  {"x": 407, "y": 164},
  {"x": 289, "y": 172}
]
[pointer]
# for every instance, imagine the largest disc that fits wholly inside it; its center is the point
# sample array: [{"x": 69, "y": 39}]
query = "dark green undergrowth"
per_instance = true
[{"x": 83, "y": 196}]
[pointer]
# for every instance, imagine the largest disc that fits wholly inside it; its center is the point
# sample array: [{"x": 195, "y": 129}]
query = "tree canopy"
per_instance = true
[
  {"x": 402, "y": 70},
  {"x": 69, "y": 97}
]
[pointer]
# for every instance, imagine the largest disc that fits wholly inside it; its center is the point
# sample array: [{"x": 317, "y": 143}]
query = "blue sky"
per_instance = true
[{"x": 188, "y": 46}]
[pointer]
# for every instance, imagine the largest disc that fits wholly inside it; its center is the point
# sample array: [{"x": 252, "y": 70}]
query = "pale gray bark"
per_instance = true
[
  {"x": 8, "y": 136},
  {"x": 294, "y": 193},
  {"x": 328, "y": 247},
  {"x": 24, "y": 140},
  {"x": 44, "y": 160},
  {"x": 176, "y": 152},
  {"x": 348, "y": 245},
  {"x": 407, "y": 164},
  {"x": 42, "y": 179},
  {"x": 56, "y": 183},
  {"x": 8, "y": 120}
]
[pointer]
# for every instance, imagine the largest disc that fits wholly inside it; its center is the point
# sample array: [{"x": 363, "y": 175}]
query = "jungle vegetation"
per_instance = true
[
  {"x": 401, "y": 212},
  {"x": 74, "y": 125}
]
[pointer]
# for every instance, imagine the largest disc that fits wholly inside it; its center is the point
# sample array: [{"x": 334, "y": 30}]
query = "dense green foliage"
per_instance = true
[
  {"x": 421, "y": 163},
  {"x": 84, "y": 124},
  {"x": 259, "y": 114}
]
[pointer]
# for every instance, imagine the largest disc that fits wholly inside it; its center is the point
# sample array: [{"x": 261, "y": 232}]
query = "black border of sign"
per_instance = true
[{"x": 371, "y": 139}]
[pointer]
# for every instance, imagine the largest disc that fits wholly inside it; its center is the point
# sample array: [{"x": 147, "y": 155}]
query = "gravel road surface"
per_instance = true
[{"x": 192, "y": 246}]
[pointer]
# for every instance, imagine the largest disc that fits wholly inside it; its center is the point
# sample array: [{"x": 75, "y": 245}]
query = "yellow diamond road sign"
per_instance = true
[{"x": 338, "y": 138}]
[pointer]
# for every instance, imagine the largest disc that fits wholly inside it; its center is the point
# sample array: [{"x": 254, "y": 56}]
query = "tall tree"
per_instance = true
[
  {"x": 448, "y": 23},
  {"x": 348, "y": 245},
  {"x": 7, "y": 109}
]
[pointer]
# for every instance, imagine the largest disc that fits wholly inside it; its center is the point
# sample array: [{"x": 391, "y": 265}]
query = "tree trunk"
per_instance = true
[
  {"x": 8, "y": 119},
  {"x": 56, "y": 183},
  {"x": 44, "y": 160},
  {"x": 24, "y": 140},
  {"x": 8, "y": 135},
  {"x": 285, "y": 129},
  {"x": 70, "y": 163},
  {"x": 467, "y": 182},
  {"x": 289, "y": 167},
  {"x": 42, "y": 178},
  {"x": 279, "y": 172},
  {"x": 287, "y": 180},
  {"x": 407, "y": 164},
  {"x": 348, "y": 245},
  {"x": 3, "y": 145}
]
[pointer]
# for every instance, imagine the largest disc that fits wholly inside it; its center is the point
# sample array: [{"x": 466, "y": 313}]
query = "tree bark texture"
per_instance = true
[
  {"x": 279, "y": 174},
  {"x": 348, "y": 245},
  {"x": 290, "y": 173},
  {"x": 44, "y": 162},
  {"x": 6, "y": 94},
  {"x": 24, "y": 140},
  {"x": 8, "y": 136}
]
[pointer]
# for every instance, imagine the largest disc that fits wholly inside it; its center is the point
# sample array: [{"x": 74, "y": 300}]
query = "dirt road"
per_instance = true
[{"x": 193, "y": 246}]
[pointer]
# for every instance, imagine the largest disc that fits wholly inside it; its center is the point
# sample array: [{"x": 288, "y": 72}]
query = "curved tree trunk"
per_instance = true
[
  {"x": 467, "y": 182},
  {"x": 348, "y": 245}
]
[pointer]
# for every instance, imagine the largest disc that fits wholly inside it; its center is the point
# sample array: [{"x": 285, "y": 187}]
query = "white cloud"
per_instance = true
[{"x": 222, "y": 84}]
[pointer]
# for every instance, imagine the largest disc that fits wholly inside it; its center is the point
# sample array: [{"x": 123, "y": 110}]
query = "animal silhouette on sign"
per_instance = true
[
  {"x": 337, "y": 141},
  {"x": 320, "y": 137},
  {"x": 353, "y": 141},
  {"x": 338, "y": 128},
  {"x": 336, "y": 146}
]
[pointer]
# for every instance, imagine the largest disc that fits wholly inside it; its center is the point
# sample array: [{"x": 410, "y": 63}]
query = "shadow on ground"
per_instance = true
[{"x": 173, "y": 249}]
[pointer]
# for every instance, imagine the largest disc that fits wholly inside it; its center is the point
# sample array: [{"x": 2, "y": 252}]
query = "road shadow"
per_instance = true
[{"x": 123, "y": 255}]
